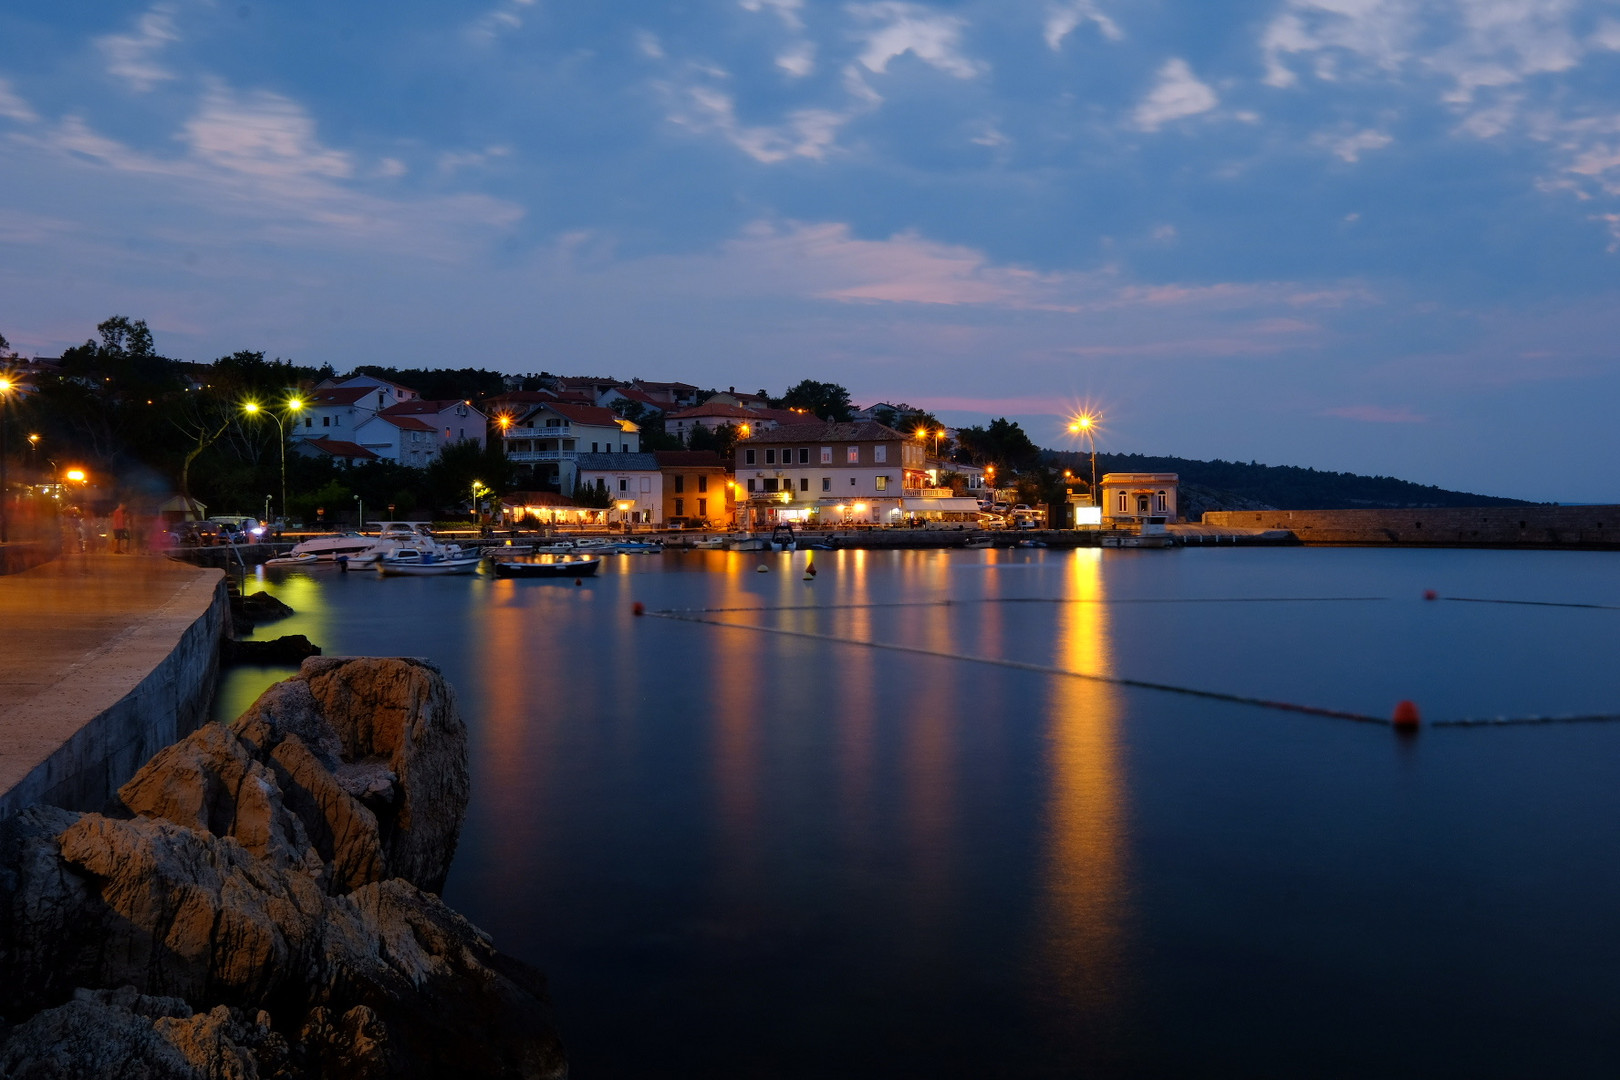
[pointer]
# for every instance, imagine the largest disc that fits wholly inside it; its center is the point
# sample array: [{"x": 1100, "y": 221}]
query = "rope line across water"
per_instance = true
[{"x": 1021, "y": 600}]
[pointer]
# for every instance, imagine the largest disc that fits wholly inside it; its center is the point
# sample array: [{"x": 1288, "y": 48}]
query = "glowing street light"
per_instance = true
[
  {"x": 1086, "y": 424},
  {"x": 75, "y": 476},
  {"x": 253, "y": 408},
  {"x": 6, "y": 388}
]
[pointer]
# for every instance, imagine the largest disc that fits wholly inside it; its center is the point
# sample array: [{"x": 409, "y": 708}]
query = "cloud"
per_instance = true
[
  {"x": 13, "y": 107},
  {"x": 133, "y": 57},
  {"x": 798, "y": 60},
  {"x": 890, "y": 29},
  {"x": 1377, "y": 414},
  {"x": 786, "y": 10},
  {"x": 1178, "y": 94},
  {"x": 499, "y": 20},
  {"x": 704, "y": 104},
  {"x": 1349, "y": 147},
  {"x": 1063, "y": 19},
  {"x": 255, "y": 159},
  {"x": 451, "y": 161}
]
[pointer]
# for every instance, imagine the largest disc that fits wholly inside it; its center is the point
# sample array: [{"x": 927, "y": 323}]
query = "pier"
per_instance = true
[{"x": 107, "y": 659}]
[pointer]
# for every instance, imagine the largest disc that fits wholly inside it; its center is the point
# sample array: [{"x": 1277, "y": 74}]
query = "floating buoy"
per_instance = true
[
  {"x": 637, "y": 608},
  {"x": 1430, "y": 594},
  {"x": 810, "y": 570},
  {"x": 1406, "y": 716},
  {"x": 762, "y": 569},
  {"x": 579, "y": 581}
]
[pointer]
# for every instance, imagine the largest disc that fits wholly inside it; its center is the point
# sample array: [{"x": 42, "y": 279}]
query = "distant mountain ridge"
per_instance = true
[{"x": 1235, "y": 485}]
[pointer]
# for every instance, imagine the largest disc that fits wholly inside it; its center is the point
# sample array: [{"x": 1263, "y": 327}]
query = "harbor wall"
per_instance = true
[
  {"x": 109, "y": 713},
  {"x": 1495, "y": 526}
]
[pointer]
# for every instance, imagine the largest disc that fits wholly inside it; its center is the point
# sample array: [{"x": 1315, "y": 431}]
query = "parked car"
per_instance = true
[
  {"x": 198, "y": 534},
  {"x": 240, "y": 529}
]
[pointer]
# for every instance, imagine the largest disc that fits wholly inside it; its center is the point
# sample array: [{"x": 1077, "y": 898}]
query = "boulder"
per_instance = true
[
  {"x": 287, "y": 649},
  {"x": 258, "y": 904}
]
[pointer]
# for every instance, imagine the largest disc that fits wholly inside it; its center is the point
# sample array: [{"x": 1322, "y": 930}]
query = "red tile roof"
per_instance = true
[
  {"x": 594, "y": 415},
  {"x": 339, "y": 448},
  {"x": 340, "y": 395},
  {"x": 406, "y": 423}
]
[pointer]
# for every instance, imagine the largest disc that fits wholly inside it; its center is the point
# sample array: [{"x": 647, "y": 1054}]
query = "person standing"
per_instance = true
[{"x": 120, "y": 529}]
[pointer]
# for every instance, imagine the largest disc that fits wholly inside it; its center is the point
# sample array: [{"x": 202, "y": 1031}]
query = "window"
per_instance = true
[
  {"x": 852, "y": 454},
  {"x": 771, "y": 483},
  {"x": 326, "y": 421},
  {"x": 826, "y": 455},
  {"x": 852, "y": 481},
  {"x": 770, "y": 457},
  {"x": 703, "y": 485},
  {"x": 703, "y": 507},
  {"x": 593, "y": 448},
  {"x": 826, "y": 483},
  {"x": 680, "y": 483},
  {"x": 748, "y": 457},
  {"x": 1124, "y": 503},
  {"x": 309, "y": 421},
  {"x": 624, "y": 448},
  {"x": 337, "y": 421},
  {"x": 750, "y": 485},
  {"x": 883, "y": 483},
  {"x": 880, "y": 453},
  {"x": 680, "y": 507},
  {"x": 646, "y": 485},
  {"x": 804, "y": 455},
  {"x": 1161, "y": 502},
  {"x": 624, "y": 483},
  {"x": 804, "y": 483}
]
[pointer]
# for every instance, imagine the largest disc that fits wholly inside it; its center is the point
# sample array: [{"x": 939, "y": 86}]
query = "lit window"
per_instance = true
[
  {"x": 826, "y": 455},
  {"x": 883, "y": 483},
  {"x": 852, "y": 455}
]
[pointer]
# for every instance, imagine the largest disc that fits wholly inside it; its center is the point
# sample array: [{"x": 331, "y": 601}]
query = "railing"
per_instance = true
[{"x": 541, "y": 455}]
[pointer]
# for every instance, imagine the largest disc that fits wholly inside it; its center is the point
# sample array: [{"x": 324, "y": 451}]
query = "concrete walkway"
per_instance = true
[{"x": 103, "y": 660}]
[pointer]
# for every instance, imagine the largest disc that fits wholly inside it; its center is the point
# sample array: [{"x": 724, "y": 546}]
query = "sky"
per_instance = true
[{"x": 1379, "y": 236}]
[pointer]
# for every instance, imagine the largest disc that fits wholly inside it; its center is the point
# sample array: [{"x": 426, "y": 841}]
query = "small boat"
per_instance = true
[
  {"x": 744, "y": 542},
  {"x": 325, "y": 549},
  {"x": 980, "y": 542},
  {"x": 637, "y": 547},
  {"x": 412, "y": 562},
  {"x": 782, "y": 538},
  {"x": 708, "y": 542},
  {"x": 1030, "y": 542},
  {"x": 559, "y": 568},
  {"x": 556, "y": 547},
  {"x": 282, "y": 561}
]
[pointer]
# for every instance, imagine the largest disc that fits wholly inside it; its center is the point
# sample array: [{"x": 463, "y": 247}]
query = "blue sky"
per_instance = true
[{"x": 1374, "y": 235}]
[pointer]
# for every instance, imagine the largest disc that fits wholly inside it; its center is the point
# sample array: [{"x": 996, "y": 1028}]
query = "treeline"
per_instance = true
[{"x": 1240, "y": 485}]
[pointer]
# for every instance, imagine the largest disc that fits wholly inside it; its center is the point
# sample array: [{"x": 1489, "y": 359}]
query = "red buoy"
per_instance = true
[
  {"x": 1430, "y": 594},
  {"x": 1406, "y": 716},
  {"x": 577, "y": 581},
  {"x": 638, "y": 608}
]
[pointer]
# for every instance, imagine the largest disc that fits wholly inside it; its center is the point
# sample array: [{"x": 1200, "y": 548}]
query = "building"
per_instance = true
[
  {"x": 1134, "y": 500},
  {"x": 715, "y": 415},
  {"x": 453, "y": 420},
  {"x": 406, "y": 440},
  {"x": 335, "y": 412},
  {"x": 829, "y": 474},
  {"x": 633, "y": 481},
  {"x": 547, "y": 508},
  {"x": 551, "y": 435},
  {"x": 696, "y": 488},
  {"x": 344, "y": 453}
]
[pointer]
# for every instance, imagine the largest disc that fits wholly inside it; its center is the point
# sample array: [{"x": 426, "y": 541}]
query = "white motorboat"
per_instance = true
[
  {"x": 324, "y": 550},
  {"x": 402, "y": 536},
  {"x": 424, "y": 562}
]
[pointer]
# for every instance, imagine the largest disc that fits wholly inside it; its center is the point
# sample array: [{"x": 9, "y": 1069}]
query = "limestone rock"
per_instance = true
[{"x": 287, "y": 649}]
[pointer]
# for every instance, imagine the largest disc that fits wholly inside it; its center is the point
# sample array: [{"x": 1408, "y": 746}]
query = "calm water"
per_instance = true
[{"x": 745, "y": 854}]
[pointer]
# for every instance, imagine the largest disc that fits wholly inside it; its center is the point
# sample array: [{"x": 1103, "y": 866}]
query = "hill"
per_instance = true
[{"x": 1235, "y": 485}]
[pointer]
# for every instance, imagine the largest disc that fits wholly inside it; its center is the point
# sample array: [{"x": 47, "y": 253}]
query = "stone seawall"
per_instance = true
[
  {"x": 124, "y": 681},
  {"x": 1497, "y": 526}
]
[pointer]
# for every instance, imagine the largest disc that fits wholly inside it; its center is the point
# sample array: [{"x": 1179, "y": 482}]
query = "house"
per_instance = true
[
  {"x": 730, "y": 396},
  {"x": 407, "y": 440},
  {"x": 454, "y": 420},
  {"x": 392, "y": 391},
  {"x": 669, "y": 395},
  {"x": 829, "y": 473},
  {"x": 696, "y": 488},
  {"x": 633, "y": 481},
  {"x": 715, "y": 415},
  {"x": 651, "y": 405},
  {"x": 1139, "y": 500},
  {"x": 551, "y": 435},
  {"x": 344, "y": 453},
  {"x": 335, "y": 412}
]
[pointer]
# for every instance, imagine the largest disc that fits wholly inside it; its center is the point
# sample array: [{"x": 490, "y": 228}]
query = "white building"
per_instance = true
[
  {"x": 633, "y": 481},
  {"x": 551, "y": 436},
  {"x": 1132, "y": 500},
  {"x": 407, "y": 440},
  {"x": 454, "y": 420}
]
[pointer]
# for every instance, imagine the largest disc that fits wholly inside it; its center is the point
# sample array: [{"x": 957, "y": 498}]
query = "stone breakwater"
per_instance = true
[{"x": 259, "y": 901}]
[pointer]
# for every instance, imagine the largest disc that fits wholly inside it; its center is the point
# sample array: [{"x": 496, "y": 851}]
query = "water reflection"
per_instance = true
[{"x": 1084, "y": 879}]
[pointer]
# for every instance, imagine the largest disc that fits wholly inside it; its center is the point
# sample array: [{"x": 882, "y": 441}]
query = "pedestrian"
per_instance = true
[{"x": 120, "y": 529}]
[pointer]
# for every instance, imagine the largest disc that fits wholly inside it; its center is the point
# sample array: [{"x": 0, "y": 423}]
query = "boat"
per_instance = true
[
  {"x": 403, "y": 536},
  {"x": 558, "y": 568},
  {"x": 422, "y": 562},
  {"x": 638, "y": 547},
  {"x": 744, "y": 542},
  {"x": 1031, "y": 542},
  {"x": 782, "y": 538},
  {"x": 556, "y": 547},
  {"x": 980, "y": 542},
  {"x": 708, "y": 542},
  {"x": 325, "y": 549}
]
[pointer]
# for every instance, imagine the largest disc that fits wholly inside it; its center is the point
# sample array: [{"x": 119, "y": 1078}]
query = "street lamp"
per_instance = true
[
  {"x": 253, "y": 408},
  {"x": 1086, "y": 424},
  {"x": 6, "y": 387}
]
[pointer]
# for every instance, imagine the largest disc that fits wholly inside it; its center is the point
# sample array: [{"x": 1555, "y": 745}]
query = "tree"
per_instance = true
[
  {"x": 722, "y": 440},
  {"x": 1002, "y": 444},
  {"x": 595, "y": 496},
  {"x": 650, "y": 421},
  {"x": 826, "y": 400}
]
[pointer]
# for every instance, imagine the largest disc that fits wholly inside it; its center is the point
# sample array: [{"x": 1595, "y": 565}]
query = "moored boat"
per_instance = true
[{"x": 555, "y": 568}]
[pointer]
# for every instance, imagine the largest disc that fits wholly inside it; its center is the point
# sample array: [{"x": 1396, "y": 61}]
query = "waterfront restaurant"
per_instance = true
[{"x": 1142, "y": 501}]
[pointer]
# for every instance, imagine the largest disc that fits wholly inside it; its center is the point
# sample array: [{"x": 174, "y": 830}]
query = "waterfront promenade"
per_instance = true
[{"x": 104, "y": 659}]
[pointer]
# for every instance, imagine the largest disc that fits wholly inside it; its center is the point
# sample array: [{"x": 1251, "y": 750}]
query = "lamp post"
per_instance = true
[
  {"x": 360, "y": 513},
  {"x": 253, "y": 408},
  {"x": 6, "y": 386},
  {"x": 1086, "y": 425}
]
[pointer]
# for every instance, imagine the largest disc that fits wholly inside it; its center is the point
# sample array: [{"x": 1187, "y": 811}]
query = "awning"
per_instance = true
[{"x": 942, "y": 506}]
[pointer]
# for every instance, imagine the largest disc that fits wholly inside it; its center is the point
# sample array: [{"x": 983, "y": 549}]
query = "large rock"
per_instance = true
[{"x": 264, "y": 918}]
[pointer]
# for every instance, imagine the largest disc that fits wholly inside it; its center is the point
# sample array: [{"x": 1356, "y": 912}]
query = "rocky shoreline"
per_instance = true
[{"x": 260, "y": 901}]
